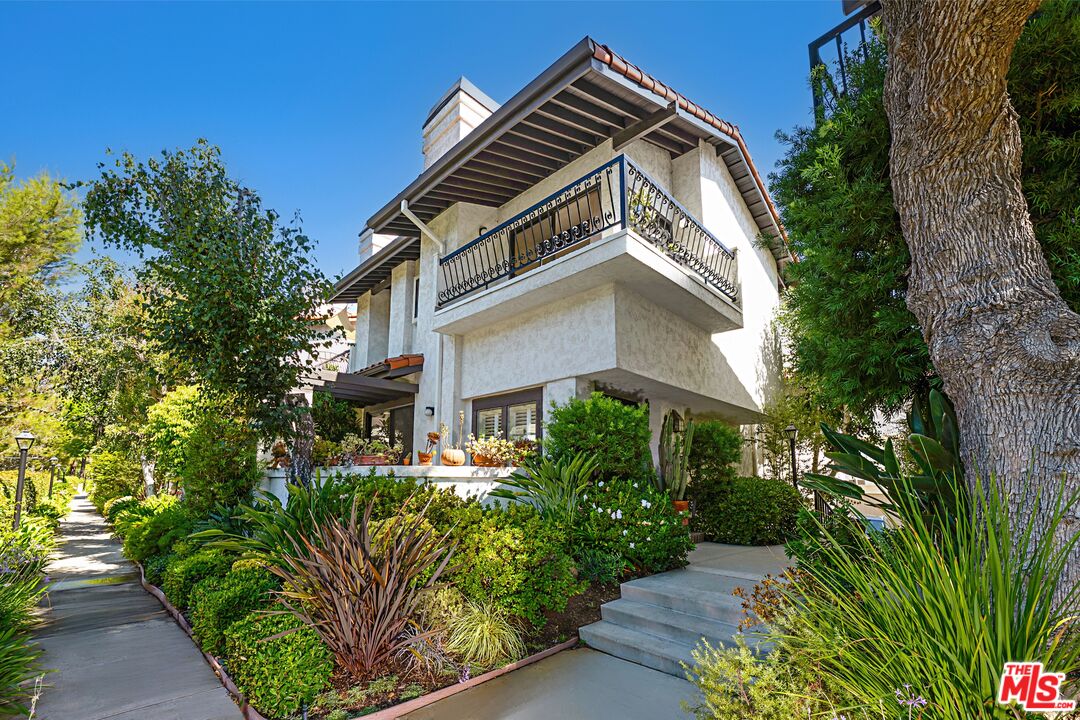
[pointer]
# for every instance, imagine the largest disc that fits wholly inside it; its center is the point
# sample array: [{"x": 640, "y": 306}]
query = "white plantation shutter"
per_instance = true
[
  {"x": 489, "y": 422},
  {"x": 522, "y": 421}
]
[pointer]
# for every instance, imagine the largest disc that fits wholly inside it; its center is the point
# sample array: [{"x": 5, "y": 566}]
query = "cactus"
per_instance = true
[{"x": 675, "y": 457}]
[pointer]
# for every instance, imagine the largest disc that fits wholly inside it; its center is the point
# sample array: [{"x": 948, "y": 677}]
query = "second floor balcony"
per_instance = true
[{"x": 613, "y": 225}]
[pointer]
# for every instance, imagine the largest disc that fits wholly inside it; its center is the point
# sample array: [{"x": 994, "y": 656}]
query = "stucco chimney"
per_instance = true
[
  {"x": 371, "y": 243},
  {"x": 458, "y": 112}
]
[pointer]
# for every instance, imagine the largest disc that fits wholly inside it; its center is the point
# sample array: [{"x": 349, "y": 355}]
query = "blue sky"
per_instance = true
[{"x": 319, "y": 106}]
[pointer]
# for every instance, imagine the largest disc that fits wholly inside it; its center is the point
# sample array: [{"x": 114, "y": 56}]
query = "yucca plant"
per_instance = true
[
  {"x": 553, "y": 487},
  {"x": 941, "y": 605},
  {"x": 357, "y": 588},
  {"x": 483, "y": 635}
]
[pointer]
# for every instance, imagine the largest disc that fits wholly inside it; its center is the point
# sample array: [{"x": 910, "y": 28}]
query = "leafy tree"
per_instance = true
[
  {"x": 169, "y": 425},
  {"x": 846, "y": 312},
  {"x": 40, "y": 229},
  {"x": 999, "y": 332},
  {"x": 334, "y": 419},
  {"x": 229, "y": 290}
]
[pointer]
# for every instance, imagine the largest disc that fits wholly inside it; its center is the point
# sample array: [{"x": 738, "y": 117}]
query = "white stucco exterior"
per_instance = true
[{"x": 614, "y": 314}]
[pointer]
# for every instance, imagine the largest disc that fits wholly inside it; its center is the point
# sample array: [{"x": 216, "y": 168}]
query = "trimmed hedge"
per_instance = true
[
  {"x": 218, "y": 602},
  {"x": 746, "y": 510},
  {"x": 615, "y": 433},
  {"x": 183, "y": 574},
  {"x": 277, "y": 676}
]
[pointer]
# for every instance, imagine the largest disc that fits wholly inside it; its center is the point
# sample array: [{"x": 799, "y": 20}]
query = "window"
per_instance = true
[
  {"x": 416, "y": 297},
  {"x": 515, "y": 416}
]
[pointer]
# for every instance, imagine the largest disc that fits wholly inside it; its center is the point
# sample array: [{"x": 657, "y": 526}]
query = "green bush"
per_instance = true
[
  {"x": 18, "y": 664},
  {"x": 218, "y": 602},
  {"x": 113, "y": 475},
  {"x": 333, "y": 418},
  {"x": 277, "y": 676},
  {"x": 715, "y": 450},
  {"x": 747, "y": 511},
  {"x": 156, "y": 533},
  {"x": 112, "y": 509},
  {"x": 614, "y": 433},
  {"x": 154, "y": 567},
  {"x": 220, "y": 465},
  {"x": 512, "y": 558},
  {"x": 182, "y": 574},
  {"x": 634, "y": 522}
]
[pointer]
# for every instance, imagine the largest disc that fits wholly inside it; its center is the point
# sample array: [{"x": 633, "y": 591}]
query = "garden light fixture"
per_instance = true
[{"x": 25, "y": 441}]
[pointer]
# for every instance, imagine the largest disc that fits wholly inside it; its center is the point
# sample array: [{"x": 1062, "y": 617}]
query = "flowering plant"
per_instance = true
[{"x": 498, "y": 450}]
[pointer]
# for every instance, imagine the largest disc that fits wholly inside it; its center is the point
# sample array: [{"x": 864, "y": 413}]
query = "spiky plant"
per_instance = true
[
  {"x": 675, "y": 457},
  {"x": 357, "y": 586},
  {"x": 483, "y": 635}
]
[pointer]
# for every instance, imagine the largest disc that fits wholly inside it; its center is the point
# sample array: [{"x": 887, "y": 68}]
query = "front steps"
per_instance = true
[{"x": 660, "y": 619}]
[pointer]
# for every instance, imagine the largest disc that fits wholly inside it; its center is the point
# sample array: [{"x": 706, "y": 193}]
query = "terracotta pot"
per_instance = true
[
  {"x": 484, "y": 461},
  {"x": 372, "y": 460},
  {"x": 682, "y": 507},
  {"x": 424, "y": 458},
  {"x": 453, "y": 457}
]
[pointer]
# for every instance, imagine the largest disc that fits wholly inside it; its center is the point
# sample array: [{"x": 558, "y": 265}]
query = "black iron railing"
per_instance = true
[
  {"x": 828, "y": 85},
  {"x": 618, "y": 194}
]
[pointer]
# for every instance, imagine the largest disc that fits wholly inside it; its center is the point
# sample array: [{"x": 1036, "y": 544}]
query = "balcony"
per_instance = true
[{"x": 613, "y": 225}]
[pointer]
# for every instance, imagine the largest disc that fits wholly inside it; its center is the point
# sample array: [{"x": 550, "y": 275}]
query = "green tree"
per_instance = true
[
  {"x": 846, "y": 312},
  {"x": 40, "y": 229},
  {"x": 169, "y": 425},
  {"x": 230, "y": 290}
]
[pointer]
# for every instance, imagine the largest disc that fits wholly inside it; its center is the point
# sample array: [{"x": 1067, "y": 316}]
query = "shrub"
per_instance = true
[
  {"x": 554, "y": 488},
  {"x": 512, "y": 558},
  {"x": 154, "y": 533},
  {"x": 218, "y": 602},
  {"x": 614, "y": 433},
  {"x": 154, "y": 567},
  {"x": 169, "y": 424},
  {"x": 938, "y": 608},
  {"x": 220, "y": 463},
  {"x": 483, "y": 634},
  {"x": 277, "y": 676},
  {"x": 357, "y": 586},
  {"x": 333, "y": 418},
  {"x": 635, "y": 522},
  {"x": 715, "y": 450},
  {"x": 747, "y": 511},
  {"x": 113, "y": 475},
  {"x": 112, "y": 509},
  {"x": 182, "y": 574}
]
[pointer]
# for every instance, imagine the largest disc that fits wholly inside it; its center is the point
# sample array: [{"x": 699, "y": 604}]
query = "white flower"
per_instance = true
[
  {"x": 631, "y": 546},
  {"x": 584, "y": 497},
  {"x": 648, "y": 539},
  {"x": 600, "y": 484},
  {"x": 618, "y": 514},
  {"x": 612, "y": 513},
  {"x": 635, "y": 484},
  {"x": 646, "y": 504},
  {"x": 624, "y": 532}
]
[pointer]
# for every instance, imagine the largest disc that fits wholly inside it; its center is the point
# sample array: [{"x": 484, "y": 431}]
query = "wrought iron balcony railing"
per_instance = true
[{"x": 616, "y": 195}]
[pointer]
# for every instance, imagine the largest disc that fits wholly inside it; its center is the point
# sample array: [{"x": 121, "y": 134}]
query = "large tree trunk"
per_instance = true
[{"x": 1004, "y": 342}]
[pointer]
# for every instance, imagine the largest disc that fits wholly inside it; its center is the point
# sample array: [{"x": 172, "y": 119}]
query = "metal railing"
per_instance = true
[
  {"x": 826, "y": 84},
  {"x": 617, "y": 194}
]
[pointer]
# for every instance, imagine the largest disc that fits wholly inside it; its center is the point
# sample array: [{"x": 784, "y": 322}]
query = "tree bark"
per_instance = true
[
  {"x": 1004, "y": 342},
  {"x": 302, "y": 441}
]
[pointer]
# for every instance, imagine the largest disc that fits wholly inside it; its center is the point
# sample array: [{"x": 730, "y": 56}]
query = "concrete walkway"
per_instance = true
[
  {"x": 578, "y": 684},
  {"x": 113, "y": 650}
]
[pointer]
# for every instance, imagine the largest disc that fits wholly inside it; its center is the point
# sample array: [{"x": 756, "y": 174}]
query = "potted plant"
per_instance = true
[
  {"x": 280, "y": 454},
  {"x": 453, "y": 455},
  {"x": 376, "y": 450},
  {"x": 426, "y": 455},
  {"x": 675, "y": 464},
  {"x": 494, "y": 451}
]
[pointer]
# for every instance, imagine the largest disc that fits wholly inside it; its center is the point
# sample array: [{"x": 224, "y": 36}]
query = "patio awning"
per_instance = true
[{"x": 362, "y": 390}]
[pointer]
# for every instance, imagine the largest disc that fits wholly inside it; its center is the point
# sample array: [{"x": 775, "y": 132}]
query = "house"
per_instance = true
[{"x": 598, "y": 231}]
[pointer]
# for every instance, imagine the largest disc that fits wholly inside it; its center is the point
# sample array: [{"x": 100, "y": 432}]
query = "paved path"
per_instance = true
[
  {"x": 113, "y": 650},
  {"x": 578, "y": 684}
]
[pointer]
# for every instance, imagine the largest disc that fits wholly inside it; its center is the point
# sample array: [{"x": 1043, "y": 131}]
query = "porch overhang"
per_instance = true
[
  {"x": 588, "y": 96},
  {"x": 376, "y": 270},
  {"x": 362, "y": 390}
]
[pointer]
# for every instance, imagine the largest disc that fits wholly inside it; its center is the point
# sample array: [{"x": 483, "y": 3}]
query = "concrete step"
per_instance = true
[
  {"x": 666, "y": 623},
  {"x": 695, "y": 593},
  {"x": 638, "y": 647}
]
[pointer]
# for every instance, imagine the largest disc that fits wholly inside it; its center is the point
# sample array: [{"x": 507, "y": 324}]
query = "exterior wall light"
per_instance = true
[{"x": 429, "y": 411}]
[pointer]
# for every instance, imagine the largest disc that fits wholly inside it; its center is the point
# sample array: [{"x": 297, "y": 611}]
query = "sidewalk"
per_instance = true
[{"x": 113, "y": 651}]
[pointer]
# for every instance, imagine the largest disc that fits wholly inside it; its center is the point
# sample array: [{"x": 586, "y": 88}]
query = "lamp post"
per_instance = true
[
  {"x": 791, "y": 432},
  {"x": 25, "y": 441},
  {"x": 54, "y": 464}
]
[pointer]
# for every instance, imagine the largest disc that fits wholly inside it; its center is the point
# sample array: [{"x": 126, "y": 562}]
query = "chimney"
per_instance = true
[
  {"x": 457, "y": 113},
  {"x": 371, "y": 243}
]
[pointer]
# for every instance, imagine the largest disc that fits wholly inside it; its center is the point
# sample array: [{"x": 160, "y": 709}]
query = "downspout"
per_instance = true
[{"x": 440, "y": 249}]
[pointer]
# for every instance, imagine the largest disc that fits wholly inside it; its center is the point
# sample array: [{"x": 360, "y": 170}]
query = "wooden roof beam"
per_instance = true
[{"x": 643, "y": 127}]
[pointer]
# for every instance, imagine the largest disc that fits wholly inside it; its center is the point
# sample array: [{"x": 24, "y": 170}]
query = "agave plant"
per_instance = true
[
  {"x": 933, "y": 447},
  {"x": 357, "y": 586},
  {"x": 554, "y": 488}
]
